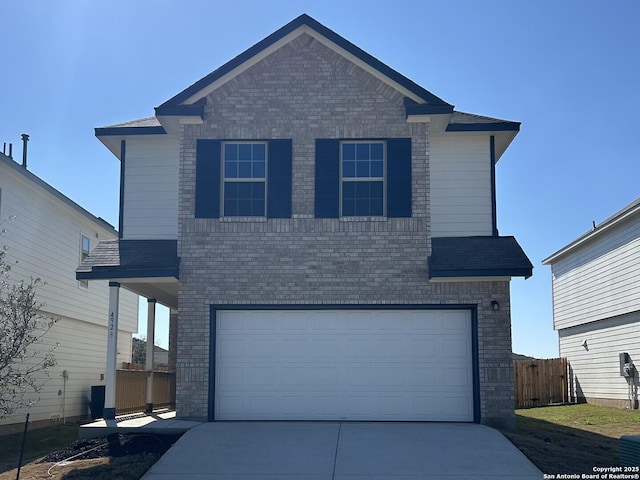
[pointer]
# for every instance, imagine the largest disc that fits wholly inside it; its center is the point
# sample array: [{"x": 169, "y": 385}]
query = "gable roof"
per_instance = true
[
  {"x": 304, "y": 23},
  {"x": 630, "y": 210},
  {"x": 464, "y": 257},
  {"x": 188, "y": 106}
]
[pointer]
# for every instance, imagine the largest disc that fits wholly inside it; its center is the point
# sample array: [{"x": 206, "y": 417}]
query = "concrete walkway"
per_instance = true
[
  {"x": 158, "y": 422},
  {"x": 342, "y": 451}
]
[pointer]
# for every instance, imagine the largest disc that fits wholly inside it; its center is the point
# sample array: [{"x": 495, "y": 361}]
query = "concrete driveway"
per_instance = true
[{"x": 342, "y": 451}]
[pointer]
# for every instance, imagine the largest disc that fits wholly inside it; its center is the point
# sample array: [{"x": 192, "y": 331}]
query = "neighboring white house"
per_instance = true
[
  {"x": 49, "y": 235},
  {"x": 596, "y": 307}
]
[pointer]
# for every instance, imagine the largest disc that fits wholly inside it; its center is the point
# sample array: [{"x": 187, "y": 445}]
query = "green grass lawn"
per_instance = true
[
  {"x": 572, "y": 438},
  {"x": 561, "y": 439}
]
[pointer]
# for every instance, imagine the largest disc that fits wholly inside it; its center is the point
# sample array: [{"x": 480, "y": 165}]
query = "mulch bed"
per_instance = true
[{"x": 116, "y": 445}]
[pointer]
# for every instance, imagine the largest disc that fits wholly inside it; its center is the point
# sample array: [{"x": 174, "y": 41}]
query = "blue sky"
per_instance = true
[{"x": 569, "y": 71}]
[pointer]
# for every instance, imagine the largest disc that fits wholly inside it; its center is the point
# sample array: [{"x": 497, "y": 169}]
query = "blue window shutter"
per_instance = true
[
  {"x": 327, "y": 203},
  {"x": 208, "y": 179},
  {"x": 399, "y": 177},
  {"x": 279, "y": 178}
]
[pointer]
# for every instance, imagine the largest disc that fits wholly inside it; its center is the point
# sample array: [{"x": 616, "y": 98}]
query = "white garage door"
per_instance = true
[{"x": 344, "y": 365}]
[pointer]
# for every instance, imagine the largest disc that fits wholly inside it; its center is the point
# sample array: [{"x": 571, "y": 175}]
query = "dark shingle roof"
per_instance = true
[
  {"x": 478, "y": 257},
  {"x": 142, "y": 126},
  {"x": 463, "y": 122},
  {"x": 129, "y": 259}
]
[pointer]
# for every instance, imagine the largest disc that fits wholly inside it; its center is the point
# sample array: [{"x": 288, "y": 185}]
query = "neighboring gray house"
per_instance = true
[
  {"x": 325, "y": 233},
  {"x": 596, "y": 308}
]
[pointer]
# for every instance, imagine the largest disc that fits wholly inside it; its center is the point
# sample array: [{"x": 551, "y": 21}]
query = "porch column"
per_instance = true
[
  {"x": 112, "y": 352},
  {"x": 151, "y": 335}
]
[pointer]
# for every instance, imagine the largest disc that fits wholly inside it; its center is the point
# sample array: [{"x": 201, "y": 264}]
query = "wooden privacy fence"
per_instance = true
[
  {"x": 541, "y": 382},
  {"x": 131, "y": 390}
]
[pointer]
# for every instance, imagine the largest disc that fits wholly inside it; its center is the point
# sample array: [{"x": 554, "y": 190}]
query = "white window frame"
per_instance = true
[
  {"x": 382, "y": 179},
  {"x": 226, "y": 180}
]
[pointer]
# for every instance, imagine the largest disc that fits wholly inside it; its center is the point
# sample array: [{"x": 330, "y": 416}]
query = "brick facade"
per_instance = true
[{"x": 305, "y": 91}]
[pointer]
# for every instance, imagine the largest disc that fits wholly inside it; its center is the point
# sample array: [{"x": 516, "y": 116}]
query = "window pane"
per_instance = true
[
  {"x": 375, "y": 189},
  {"x": 85, "y": 244},
  {"x": 377, "y": 151},
  {"x": 349, "y": 169},
  {"x": 258, "y": 169},
  {"x": 349, "y": 190},
  {"x": 348, "y": 207},
  {"x": 244, "y": 169},
  {"x": 257, "y": 207},
  {"x": 362, "y": 169},
  {"x": 377, "y": 169},
  {"x": 375, "y": 208},
  {"x": 362, "y": 198},
  {"x": 244, "y": 207},
  {"x": 244, "y": 199},
  {"x": 348, "y": 151},
  {"x": 362, "y": 206},
  {"x": 257, "y": 189},
  {"x": 244, "y": 151},
  {"x": 362, "y": 152},
  {"x": 244, "y": 190},
  {"x": 259, "y": 151},
  {"x": 231, "y": 169},
  {"x": 231, "y": 152}
]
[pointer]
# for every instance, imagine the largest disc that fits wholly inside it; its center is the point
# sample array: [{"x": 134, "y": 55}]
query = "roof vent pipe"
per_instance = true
[{"x": 25, "y": 139}]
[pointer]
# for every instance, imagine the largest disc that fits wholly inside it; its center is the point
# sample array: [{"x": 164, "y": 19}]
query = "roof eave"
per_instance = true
[
  {"x": 127, "y": 131},
  {"x": 487, "y": 274},
  {"x": 484, "y": 127}
]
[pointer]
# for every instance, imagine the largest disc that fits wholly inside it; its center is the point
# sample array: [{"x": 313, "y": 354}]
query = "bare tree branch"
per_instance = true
[{"x": 23, "y": 367}]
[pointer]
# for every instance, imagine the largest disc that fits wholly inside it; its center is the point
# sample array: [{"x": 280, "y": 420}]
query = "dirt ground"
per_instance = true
[{"x": 125, "y": 457}]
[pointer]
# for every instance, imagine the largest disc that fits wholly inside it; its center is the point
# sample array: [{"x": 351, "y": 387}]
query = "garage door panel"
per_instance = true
[
  {"x": 294, "y": 376},
  {"x": 341, "y": 365},
  {"x": 294, "y": 346},
  {"x": 232, "y": 347},
  {"x": 456, "y": 347},
  {"x": 457, "y": 377},
  {"x": 327, "y": 348}
]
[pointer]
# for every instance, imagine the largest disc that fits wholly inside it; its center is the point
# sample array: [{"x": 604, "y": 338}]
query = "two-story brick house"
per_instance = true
[{"x": 324, "y": 230}]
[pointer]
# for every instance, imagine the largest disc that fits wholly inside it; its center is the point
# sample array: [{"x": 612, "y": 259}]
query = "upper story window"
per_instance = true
[
  {"x": 244, "y": 179},
  {"x": 85, "y": 248},
  {"x": 362, "y": 167}
]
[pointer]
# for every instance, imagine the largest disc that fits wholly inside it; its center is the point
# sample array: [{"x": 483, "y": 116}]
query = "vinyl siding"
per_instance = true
[
  {"x": 82, "y": 351},
  {"x": 151, "y": 188},
  {"x": 460, "y": 185},
  {"x": 44, "y": 241},
  {"x": 596, "y": 372},
  {"x": 599, "y": 279}
]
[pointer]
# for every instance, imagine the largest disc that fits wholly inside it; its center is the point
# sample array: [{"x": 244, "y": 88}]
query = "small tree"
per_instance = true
[
  {"x": 23, "y": 368},
  {"x": 139, "y": 350}
]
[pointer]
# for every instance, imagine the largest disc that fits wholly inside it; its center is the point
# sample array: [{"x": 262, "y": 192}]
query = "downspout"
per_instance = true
[{"x": 494, "y": 209}]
